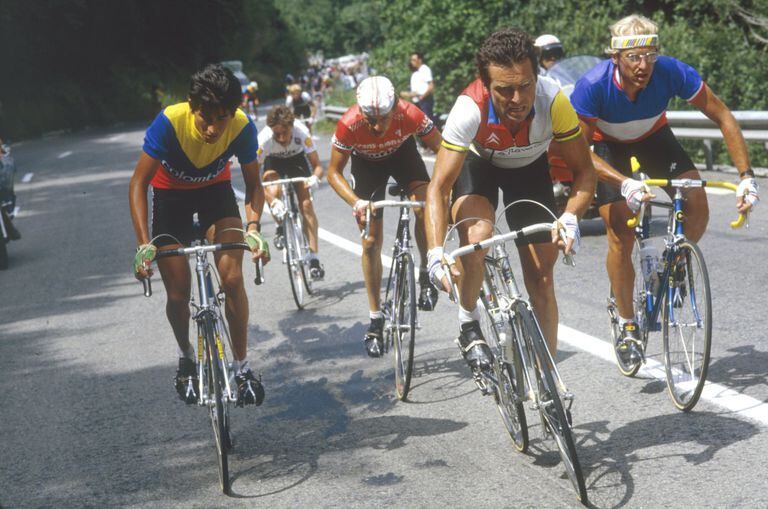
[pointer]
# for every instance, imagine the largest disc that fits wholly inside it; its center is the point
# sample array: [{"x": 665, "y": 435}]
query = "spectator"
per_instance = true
[{"x": 422, "y": 85}]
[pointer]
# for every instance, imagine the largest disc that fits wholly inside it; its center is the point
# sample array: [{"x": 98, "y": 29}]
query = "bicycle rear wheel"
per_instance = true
[
  {"x": 294, "y": 263},
  {"x": 495, "y": 324},
  {"x": 687, "y": 327},
  {"x": 217, "y": 405},
  {"x": 404, "y": 334},
  {"x": 554, "y": 414}
]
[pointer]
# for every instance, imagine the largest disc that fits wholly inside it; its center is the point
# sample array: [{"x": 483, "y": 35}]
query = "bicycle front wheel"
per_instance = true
[
  {"x": 556, "y": 418},
  {"x": 216, "y": 404},
  {"x": 495, "y": 323},
  {"x": 405, "y": 325},
  {"x": 687, "y": 327},
  {"x": 294, "y": 263},
  {"x": 303, "y": 249}
]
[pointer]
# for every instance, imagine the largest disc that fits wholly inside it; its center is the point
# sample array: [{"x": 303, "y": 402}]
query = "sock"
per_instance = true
[
  {"x": 241, "y": 365},
  {"x": 468, "y": 316},
  {"x": 623, "y": 320},
  {"x": 189, "y": 354},
  {"x": 313, "y": 256},
  {"x": 375, "y": 315}
]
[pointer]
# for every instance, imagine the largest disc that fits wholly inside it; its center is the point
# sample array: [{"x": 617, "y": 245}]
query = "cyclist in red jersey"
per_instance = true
[
  {"x": 377, "y": 134},
  {"x": 185, "y": 158}
]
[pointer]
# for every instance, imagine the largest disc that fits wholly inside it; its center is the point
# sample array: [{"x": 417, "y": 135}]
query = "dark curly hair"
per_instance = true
[
  {"x": 214, "y": 88},
  {"x": 505, "y": 47},
  {"x": 280, "y": 114}
]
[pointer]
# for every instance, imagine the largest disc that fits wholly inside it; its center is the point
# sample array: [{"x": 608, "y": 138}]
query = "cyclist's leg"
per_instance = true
[
  {"x": 696, "y": 208},
  {"x": 471, "y": 231},
  {"x": 271, "y": 193},
  {"x": 538, "y": 262},
  {"x": 417, "y": 191},
  {"x": 172, "y": 215},
  {"x": 310, "y": 218},
  {"x": 618, "y": 263}
]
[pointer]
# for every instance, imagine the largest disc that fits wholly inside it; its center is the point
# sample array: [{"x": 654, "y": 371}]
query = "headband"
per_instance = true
[{"x": 634, "y": 41}]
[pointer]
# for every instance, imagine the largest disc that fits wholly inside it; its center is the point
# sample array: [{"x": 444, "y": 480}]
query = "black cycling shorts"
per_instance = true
[
  {"x": 660, "y": 156},
  {"x": 405, "y": 165},
  {"x": 288, "y": 167},
  {"x": 172, "y": 211},
  {"x": 532, "y": 182},
  {"x": 302, "y": 111}
]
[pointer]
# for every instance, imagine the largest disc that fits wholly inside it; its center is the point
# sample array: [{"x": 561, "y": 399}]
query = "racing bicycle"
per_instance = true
[
  {"x": 399, "y": 307},
  {"x": 296, "y": 245},
  {"x": 523, "y": 369},
  {"x": 671, "y": 295},
  {"x": 216, "y": 378}
]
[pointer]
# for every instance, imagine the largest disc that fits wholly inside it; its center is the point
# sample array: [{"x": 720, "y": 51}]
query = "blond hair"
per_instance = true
[{"x": 634, "y": 24}]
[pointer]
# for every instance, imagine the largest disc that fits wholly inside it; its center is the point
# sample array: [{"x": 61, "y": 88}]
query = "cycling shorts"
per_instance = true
[
  {"x": 532, "y": 182},
  {"x": 288, "y": 167},
  {"x": 660, "y": 156},
  {"x": 302, "y": 111},
  {"x": 172, "y": 211},
  {"x": 405, "y": 165}
]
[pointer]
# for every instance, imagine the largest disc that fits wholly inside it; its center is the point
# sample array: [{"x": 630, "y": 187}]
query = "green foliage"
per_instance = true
[{"x": 724, "y": 39}]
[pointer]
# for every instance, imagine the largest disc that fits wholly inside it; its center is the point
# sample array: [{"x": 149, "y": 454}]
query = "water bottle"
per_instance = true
[{"x": 649, "y": 259}]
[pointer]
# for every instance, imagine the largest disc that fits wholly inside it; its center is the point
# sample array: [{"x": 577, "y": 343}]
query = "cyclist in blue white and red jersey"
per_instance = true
[
  {"x": 623, "y": 102},
  {"x": 185, "y": 158},
  {"x": 496, "y": 138}
]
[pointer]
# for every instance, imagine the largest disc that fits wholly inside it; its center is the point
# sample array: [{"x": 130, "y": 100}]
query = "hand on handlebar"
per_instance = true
[
  {"x": 569, "y": 224},
  {"x": 635, "y": 192},
  {"x": 312, "y": 182},
  {"x": 259, "y": 246},
  {"x": 142, "y": 262},
  {"x": 358, "y": 210},
  {"x": 436, "y": 259},
  {"x": 747, "y": 195}
]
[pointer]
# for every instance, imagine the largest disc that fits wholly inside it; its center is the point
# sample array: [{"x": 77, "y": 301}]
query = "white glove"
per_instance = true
[
  {"x": 570, "y": 222},
  {"x": 278, "y": 209},
  {"x": 748, "y": 190},
  {"x": 633, "y": 190},
  {"x": 313, "y": 182},
  {"x": 358, "y": 209},
  {"x": 437, "y": 274}
]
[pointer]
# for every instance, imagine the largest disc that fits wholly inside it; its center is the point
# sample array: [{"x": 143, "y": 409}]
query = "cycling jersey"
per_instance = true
[
  {"x": 473, "y": 125},
  {"x": 187, "y": 161},
  {"x": 353, "y": 136},
  {"x": 599, "y": 96},
  {"x": 301, "y": 142}
]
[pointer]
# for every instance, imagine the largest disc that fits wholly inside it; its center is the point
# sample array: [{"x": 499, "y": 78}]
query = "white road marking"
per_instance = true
[
  {"x": 743, "y": 405},
  {"x": 16, "y": 210},
  {"x": 27, "y": 177},
  {"x": 716, "y": 190},
  {"x": 65, "y": 154}
]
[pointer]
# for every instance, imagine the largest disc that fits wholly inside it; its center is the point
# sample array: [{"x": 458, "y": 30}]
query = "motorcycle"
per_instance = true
[
  {"x": 8, "y": 231},
  {"x": 567, "y": 72}
]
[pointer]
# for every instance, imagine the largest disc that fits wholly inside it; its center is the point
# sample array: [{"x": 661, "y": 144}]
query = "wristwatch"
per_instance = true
[{"x": 258, "y": 225}]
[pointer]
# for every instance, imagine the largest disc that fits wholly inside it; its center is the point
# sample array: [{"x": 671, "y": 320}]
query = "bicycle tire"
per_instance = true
[
  {"x": 405, "y": 318},
  {"x": 216, "y": 408},
  {"x": 294, "y": 264},
  {"x": 303, "y": 249},
  {"x": 3, "y": 253},
  {"x": 552, "y": 410},
  {"x": 508, "y": 402},
  {"x": 686, "y": 359}
]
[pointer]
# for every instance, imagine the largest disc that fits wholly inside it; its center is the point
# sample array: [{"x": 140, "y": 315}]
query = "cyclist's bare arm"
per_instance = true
[
  {"x": 446, "y": 171},
  {"x": 713, "y": 107},
  {"x": 576, "y": 154},
  {"x": 604, "y": 171},
  {"x": 336, "y": 177},
  {"x": 254, "y": 191},
  {"x": 317, "y": 168},
  {"x": 145, "y": 170},
  {"x": 432, "y": 140}
]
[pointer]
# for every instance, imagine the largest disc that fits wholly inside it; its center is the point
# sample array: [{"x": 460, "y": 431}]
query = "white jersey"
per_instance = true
[
  {"x": 420, "y": 80},
  {"x": 301, "y": 143}
]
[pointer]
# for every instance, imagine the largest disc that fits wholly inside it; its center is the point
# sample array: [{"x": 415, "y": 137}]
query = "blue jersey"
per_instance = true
[
  {"x": 187, "y": 161},
  {"x": 599, "y": 96}
]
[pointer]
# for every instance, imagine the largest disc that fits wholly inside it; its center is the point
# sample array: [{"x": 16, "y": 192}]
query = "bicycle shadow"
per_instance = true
[
  {"x": 303, "y": 339},
  {"x": 608, "y": 457},
  {"x": 443, "y": 368},
  {"x": 742, "y": 371},
  {"x": 321, "y": 425}
]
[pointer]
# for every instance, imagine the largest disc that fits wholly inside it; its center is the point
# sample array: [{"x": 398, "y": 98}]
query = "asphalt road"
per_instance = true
[{"x": 89, "y": 417}]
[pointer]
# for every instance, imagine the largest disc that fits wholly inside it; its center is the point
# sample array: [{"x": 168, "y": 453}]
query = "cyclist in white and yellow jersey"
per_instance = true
[{"x": 496, "y": 137}]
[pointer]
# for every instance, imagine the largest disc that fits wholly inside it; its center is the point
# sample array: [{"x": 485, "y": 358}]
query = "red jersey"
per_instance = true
[{"x": 353, "y": 136}]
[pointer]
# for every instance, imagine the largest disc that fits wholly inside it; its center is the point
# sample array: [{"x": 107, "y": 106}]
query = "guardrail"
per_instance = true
[
  {"x": 694, "y": 125},
  {"x": 690, "y": 125}
]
